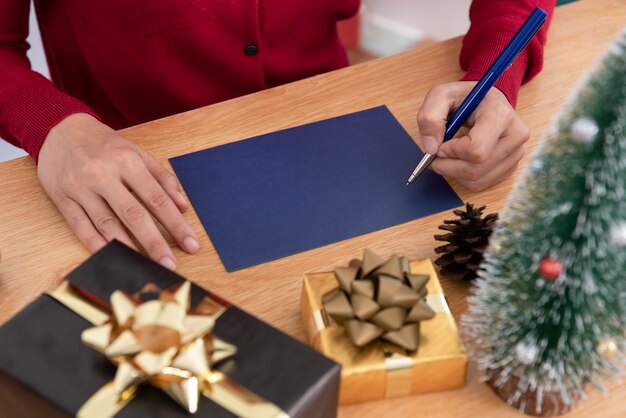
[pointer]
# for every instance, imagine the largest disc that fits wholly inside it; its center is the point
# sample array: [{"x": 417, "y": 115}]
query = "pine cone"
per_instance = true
[
  {"x": 468, "y": 238},
  {"x": 379, "y": 299}
]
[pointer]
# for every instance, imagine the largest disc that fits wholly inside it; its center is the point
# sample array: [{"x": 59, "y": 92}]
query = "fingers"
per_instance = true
[
  {"x": 491, "y": 123},
  {"x": 139, "y": 222},
  {"x": 477, "y": 177},
  {"x": 492, "y": 179},
  {"x": 104, "y": 219},
  {"x": 167, "y": 180},
  {"x": 466, "y": 169},
  {"x": 81, "y": 225},
  {"x": 160, "y": 204},
  {"x": 431, "y": 118}
]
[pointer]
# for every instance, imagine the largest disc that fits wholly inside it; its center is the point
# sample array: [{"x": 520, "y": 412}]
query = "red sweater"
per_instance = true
[{"x": 129, "y": 62}]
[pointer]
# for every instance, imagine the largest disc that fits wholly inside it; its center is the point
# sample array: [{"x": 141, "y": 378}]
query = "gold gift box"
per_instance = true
[{"x": 374, "y": 372}]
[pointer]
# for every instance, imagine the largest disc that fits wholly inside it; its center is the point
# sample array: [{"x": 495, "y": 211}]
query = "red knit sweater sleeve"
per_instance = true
[
  {"x": 493, "y": 24},
  {"x": 30, "y": 105}
]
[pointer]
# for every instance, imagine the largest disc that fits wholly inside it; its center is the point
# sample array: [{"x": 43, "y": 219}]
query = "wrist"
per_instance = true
[
  {"x": 75, "y": 122},
  {"x": 72, "y": 126}
]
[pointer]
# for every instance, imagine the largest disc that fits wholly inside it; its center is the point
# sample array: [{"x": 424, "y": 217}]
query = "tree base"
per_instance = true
[{"x": 552, "y": 404}]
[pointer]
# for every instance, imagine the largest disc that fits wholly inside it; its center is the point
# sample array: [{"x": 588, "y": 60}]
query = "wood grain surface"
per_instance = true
[{"x": 37, "y": 247}]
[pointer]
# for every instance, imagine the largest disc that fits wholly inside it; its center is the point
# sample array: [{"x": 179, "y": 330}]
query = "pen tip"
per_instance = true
[{"x": 407, "y": 183}]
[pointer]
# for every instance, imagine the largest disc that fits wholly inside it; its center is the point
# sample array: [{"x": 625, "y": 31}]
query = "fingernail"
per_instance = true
[
  {"x": 442, "y": 154},
  {"x": 430, "y": 144},
  {"x": 168, "y": 263},
  {"x": 182, "y": 198},
  {"x": 191, "y": 244}
]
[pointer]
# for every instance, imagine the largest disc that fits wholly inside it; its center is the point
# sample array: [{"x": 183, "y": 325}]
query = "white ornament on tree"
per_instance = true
[
  {"x": 618, "y": 234},
  {"x": 584, "y": 130},
  {"x": 526, "y": 353}
]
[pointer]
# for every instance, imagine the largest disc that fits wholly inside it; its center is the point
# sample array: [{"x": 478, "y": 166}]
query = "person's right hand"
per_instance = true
[{"x": 105, "y": 187}]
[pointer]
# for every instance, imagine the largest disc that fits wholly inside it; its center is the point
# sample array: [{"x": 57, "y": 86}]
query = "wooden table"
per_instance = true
[{"x": 38, "y": 248}]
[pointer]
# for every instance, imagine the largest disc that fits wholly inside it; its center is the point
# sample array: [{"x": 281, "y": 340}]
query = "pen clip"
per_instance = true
[{"x": 526, "y": 44}]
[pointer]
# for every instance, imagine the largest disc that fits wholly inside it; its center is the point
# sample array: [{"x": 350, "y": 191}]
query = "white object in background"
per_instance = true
[
  {"x": 38, "y": 63},
  {"x": 381, "y": 36},
  {"x": 437, "y": 20}
]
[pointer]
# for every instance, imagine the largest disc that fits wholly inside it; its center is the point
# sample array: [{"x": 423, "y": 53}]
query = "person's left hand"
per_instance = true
[{"x": 486, "y": 150}]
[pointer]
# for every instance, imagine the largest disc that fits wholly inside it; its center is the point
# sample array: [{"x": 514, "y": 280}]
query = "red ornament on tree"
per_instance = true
[{"x": 550, "y": 268}]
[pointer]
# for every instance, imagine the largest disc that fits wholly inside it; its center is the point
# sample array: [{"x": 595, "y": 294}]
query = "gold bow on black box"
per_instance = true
[
  {"x": 166, "y": 343},
  {"x": 159, "y": 342},
  {"x": 379, "y": 299}
]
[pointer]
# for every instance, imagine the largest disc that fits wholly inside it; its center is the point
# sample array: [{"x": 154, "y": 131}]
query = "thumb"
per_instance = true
[{"x": 432, "y": 116}]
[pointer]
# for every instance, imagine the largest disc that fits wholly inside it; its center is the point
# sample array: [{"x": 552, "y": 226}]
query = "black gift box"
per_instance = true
[{"x": 45, "y": 370}]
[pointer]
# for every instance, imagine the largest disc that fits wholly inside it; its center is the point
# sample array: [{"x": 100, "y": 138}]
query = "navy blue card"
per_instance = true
[{"x": 294, "y": 190}]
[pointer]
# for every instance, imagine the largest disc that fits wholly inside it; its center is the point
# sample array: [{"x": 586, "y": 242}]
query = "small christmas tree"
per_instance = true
[{"x": 548, "y": 317}]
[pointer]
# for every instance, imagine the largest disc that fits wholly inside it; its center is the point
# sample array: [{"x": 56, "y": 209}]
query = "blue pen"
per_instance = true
[{"x": 499, "y": 66}]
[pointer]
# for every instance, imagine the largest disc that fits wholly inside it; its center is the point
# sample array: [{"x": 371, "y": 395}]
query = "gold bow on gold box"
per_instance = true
[
  {"x": 389, "y": 326},
  {"x": 379, "y": 299}
]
